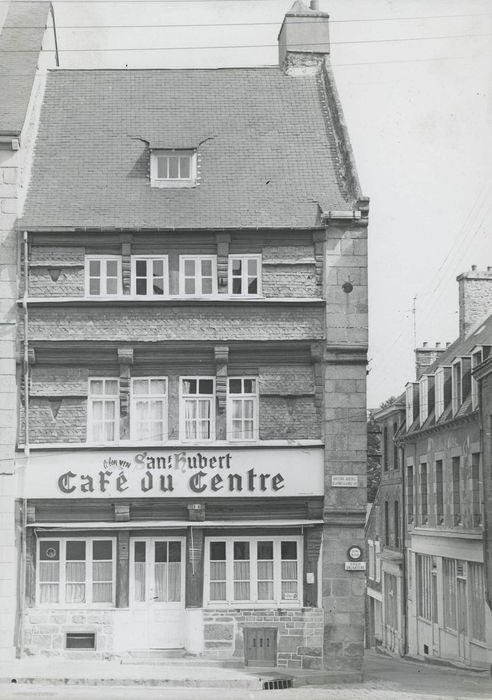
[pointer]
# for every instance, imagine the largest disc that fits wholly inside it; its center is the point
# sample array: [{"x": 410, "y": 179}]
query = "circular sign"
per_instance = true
[
  {"x": 354, "y": 553},
  {"x": 51, "y": 553}
]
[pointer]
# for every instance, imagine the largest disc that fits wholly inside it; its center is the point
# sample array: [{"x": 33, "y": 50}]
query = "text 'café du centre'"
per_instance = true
[{"x": 191, "y": 448}]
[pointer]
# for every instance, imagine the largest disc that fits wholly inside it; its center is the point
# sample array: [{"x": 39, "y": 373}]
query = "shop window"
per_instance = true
[
  {"x": 244, "y": 571},
  {"x": 197, "y": 408},
  {"x": 103, "y": 275},
  {"x": 148, "y": 413},
  {"x": 76, "y": 571},
  {"x": 197, "y": 275},
  {"x": 244, "y": 275},
  {"x": 242, "y": 409},
  {"x": 103, "y": 410},
  {"x": 149, "y": 275}
]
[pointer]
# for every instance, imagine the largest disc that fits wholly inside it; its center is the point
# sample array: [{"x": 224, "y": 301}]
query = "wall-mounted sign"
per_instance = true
[
  {"x": 354, "y": 553},
  {"x": 347, "y": 480},
  {"x": 217, "y": 472},
  {"x": 355, "y": 566}
]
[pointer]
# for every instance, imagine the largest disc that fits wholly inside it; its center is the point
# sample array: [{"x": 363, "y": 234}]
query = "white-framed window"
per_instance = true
[
  {"x": 423, "y": 399},
  {"x": 173, "y": 168},
  {"x": 76, "y": 571},
  {"x": 103, "y": 410},
  {"x": 149, "y": 275},
  {"x": 242, "y": 408},
  {"x": 102, "y": 275},
  {"x": 197, "y": 275},
  {"x": 148, "y": 412},
  {"x": 197, "y": 408},
  {"x": 439, "y": 392},
  {"x": 253, "y": 570},
  {"x": 477, "y": 358},
  {"x": 377, "y": 552},
  {"x": 245, "y": 275},
  {"x": 456, "y": 394}
]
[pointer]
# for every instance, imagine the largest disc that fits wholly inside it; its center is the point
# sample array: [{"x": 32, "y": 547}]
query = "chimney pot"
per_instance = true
[
  {"x": 438, "y": 345},
  {"x": 474, "y": 267},
  {"x": 304, "y": 39},
  {"x": 425, "y": 344},
  {"x": 448, "y": 344},
  {"x": 314, "y": 4}
]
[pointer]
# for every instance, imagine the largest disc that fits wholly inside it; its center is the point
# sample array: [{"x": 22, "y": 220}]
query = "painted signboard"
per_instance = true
[
  {"x": 202, "y": 472},
  {"x": 345, "y": 480}
]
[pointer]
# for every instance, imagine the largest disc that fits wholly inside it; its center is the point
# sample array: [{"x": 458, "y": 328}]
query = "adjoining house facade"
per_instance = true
[
  {"x": 385, "y": 613},
  {"x": 442, "y": 445},
  {"x": 192, "y": 434}
]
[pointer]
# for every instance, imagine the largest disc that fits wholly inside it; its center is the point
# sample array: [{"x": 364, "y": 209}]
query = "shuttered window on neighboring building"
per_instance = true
[
  {"x": 476, "y": 600},
  {"x": 424, "y": 586},
  {"x": 391, "y": 601},
  {"x": 449, "y": 592}
]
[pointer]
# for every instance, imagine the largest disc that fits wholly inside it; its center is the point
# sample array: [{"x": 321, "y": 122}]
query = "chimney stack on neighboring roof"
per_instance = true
[
  {"x": 304, "y": 39},
  {"x": 475, "y": 298},
  {"x": 425, "y": 357}
]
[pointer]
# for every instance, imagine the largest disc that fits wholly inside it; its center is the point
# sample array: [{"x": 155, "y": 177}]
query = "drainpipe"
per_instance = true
[
  {"x": 403, "y": 533},
  {"x": 26, "y": 345}
]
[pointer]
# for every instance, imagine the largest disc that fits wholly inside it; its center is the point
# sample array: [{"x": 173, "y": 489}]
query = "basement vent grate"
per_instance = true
[
  {"x": 277, "y": 684},
  {"x": 81, "y": 640}
]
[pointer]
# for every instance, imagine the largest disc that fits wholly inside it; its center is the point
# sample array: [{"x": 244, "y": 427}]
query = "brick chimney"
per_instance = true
[
  {"x": 304, "y": 39},
  {"x": 425, "y": 357},
  {"x": 475, "y": 298}
]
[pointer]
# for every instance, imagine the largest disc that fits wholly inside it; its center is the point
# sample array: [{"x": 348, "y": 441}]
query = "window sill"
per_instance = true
[
  {"x": 174, "y": 444},
  {"x": 170, "y": 299},
  {"x": 244, "y": 605},
  {"x": 173, "y": 184}
]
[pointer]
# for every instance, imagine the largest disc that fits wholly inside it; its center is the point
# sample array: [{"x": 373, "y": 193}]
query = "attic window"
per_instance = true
[{"x": 173, "y": 168}]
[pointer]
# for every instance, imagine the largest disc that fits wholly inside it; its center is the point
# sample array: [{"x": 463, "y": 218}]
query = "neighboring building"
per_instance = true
[
  {"x": 192, "y": 434},
  {"x": 443, "y": 485},
  {"x": 21, "y": 90},
  {"x": 385, "y": 613}
]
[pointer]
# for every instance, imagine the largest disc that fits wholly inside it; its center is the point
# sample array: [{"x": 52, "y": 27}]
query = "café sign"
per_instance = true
[{"x": 229, "y": 472}]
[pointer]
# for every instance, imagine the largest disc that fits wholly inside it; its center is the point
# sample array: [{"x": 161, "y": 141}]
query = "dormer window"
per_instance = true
[
  {"x": 173, "y": 168},
  {"x": 477, "y": 358},
  {"x": 461, "y": 386},
  {"x": 411, "y": 403}
]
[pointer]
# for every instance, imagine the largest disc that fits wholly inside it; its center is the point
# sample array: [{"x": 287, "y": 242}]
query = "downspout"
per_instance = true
[
  {"x": 52, "y": 13},
  {"x": 23, "y": 503},
  {"x": 26, "y": 345},
  {"x": 404, "y": 521}
]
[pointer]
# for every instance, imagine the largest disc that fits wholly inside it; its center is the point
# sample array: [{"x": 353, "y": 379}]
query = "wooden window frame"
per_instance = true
[
  {"x": 103, "y": 397},
  {"x": 243, "y": 396},
  {"x": 197, "y": 277},
  {"x": 102, "y": 259},
  {"x": 133, "y": 277},
  {"x": 178, "y": 182},
  {"x": 148, "y": 397},
  {"x": 244, "y": 275},
  {"x": 182, "y": 401}
]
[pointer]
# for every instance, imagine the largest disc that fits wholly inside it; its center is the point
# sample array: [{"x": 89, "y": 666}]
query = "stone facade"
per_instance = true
[{"x": 299, "y": 634}]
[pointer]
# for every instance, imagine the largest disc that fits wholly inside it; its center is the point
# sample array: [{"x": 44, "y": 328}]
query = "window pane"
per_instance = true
[
  {"x": 140, "y": 551},
  {"x": 162, "y": 166},
  {"x": 206, "y": 268},
  {"x": 158, "y": 386},
  {"x": 289, "y": 550},
  {"x": 235, "y": 386},
  {"x": 206, "y": 386},
  {"x": 265, "y": 550},
  {"x": 140, "y": 387},
  {"x": 111, "y": 387},
  {"x": 111, "y": 286},
  {"x": 218, "y": 551},
  {"x": 94, "y": 286},
  {"x": 173, "y": 167},
  {"x": 49, "y": 550},
  {"x": 237, "y": 266},
  {"x": 252, "y": 267},
  {"x": 94, "y": 268},
  {"x": 189, "y": 268},
  {"x": 160, "y": 554},
  {"x": 253, "y": 286},
  {"x": 75, "y": 550},
  {"x": 102, "y": 549},
  {"x": 189, "y": 287},
  {"x": 249, "y": 386},
  {"x": 158, "y": 268},
  {"x": 241, "y": 550},
  {"x": 189, "y": 386},
  {"x": 141, "y": 286},
  {"x": 174, "y": 551},
  {"x": 109, "y": 410},
  {"x": 111, "y": 268},
  {"x": 207, "y": 286},
  {"x": 96, "y": 386},
  {"x": 237, "y": 285},
  {"x": 184, "y": 163},
  {"x": 141, "y": 268},
  {"x": 102, "y": 592}
]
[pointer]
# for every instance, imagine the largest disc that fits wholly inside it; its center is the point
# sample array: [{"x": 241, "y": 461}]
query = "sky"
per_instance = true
[{"x": 418, "y": 107}]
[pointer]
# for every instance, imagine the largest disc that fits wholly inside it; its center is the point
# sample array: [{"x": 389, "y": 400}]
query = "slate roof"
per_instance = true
[
  {"x": 267, "y": 151},
  {"x": 20, "y": 44}
]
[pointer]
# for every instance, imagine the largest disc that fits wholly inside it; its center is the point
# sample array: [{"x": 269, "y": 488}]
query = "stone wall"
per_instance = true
[
  {"x": 299, "y": 634},
  {"x": 45, "y": 631}
]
